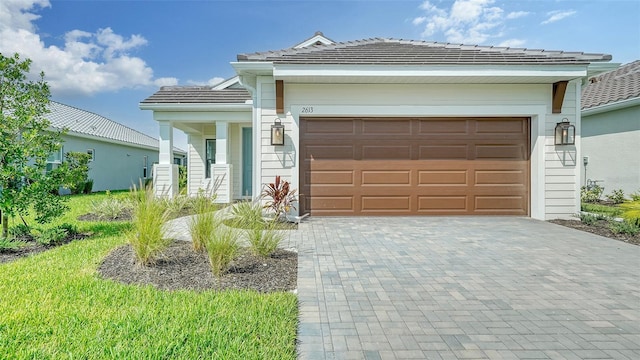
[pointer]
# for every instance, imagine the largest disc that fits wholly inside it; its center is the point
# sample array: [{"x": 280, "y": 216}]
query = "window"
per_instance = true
[
  {"x": 91, "y": 152},
  {"x": 145, "y": 162},
  {"x": 54, "y": 160},
  {"x": 210, "y": 145},
  {"x": 177, "y": 161}
]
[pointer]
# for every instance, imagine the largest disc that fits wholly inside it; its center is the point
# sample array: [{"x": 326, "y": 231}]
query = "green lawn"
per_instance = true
[{"x": 54, "y": 305}]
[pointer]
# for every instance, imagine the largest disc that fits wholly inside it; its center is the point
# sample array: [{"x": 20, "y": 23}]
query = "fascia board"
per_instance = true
[
  {"x": 247, "y": 106},
  {"x": 569, "y": 72},
  {"x": 253, "y": 67},
  {"x": 611, "y": 106},
  {"x": 226, "y": 83}
]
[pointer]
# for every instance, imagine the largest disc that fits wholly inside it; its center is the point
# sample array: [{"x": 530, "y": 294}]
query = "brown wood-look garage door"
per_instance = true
[{"x": 409, "y": 166}]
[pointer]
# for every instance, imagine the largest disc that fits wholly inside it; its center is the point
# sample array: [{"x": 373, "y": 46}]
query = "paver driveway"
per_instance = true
[{"x": 464, "y": 287}]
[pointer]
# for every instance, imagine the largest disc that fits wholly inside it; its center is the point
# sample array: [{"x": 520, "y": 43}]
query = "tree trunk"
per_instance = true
[{"x": 5, "y": 224}]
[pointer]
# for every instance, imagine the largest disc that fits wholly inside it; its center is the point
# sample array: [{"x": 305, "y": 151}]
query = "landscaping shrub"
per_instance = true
[
  {"x": 635, "y": 196},
  {"x": 616, "y": 196},
  {"x": 246, "y": 213},
  {"x": 88, "y": 186},
  {"x": 591, "y": 195},
  {"x": 7, "y": 244},
  {"x": 264, "y": 238},
  {"x": 624, "y": 227},
  {"x": 19, "y": 231},
  {"x": 280, "y": 197},
  {"x": 177, "y": 204},
  {"x": 110, "y": 208},
  {"x": 51, "y": 236},
  {"x": 71, "y": 229},
  {"x": 222, "y": 248},
  {"x": 182, "y": 178},
  {"x": 590, "y": 219},
  {"x": 202, "y": 226},
  {"x": 147, "y": 238}
]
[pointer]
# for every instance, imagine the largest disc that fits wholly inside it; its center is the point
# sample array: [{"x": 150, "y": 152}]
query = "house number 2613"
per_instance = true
[{"x": 307, "y": 110}]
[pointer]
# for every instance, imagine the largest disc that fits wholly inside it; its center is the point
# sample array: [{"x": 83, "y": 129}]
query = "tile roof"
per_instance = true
[
  {"x": 617, "y": 85},
  {"x": 88, "y": 123},
  {"x": 385, "y": 51},
  {"x": 197, "y": 94}
]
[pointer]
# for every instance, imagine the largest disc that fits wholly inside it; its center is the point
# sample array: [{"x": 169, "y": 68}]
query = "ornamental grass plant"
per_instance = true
[
  {"x": 147, "y": 236},
  {"x": 202, "y": 226},
  {"x": 222, "y": 248}
]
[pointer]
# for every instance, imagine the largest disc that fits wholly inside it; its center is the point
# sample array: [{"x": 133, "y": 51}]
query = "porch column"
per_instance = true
[
  {"x": 222, "y": 134},
  {"x": 165, "y": 173},
  {"x": 222, "y": 168}
]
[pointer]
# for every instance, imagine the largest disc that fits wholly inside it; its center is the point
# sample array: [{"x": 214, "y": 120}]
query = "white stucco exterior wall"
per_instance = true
[
  {"x": 554, "y": 170},
  {"x": 611, "y": 140}
]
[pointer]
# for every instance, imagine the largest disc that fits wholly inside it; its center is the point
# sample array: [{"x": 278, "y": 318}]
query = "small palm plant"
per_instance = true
[{"x": 280, "y": 197}]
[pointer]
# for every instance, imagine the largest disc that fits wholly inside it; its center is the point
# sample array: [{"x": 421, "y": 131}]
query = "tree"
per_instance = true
[
  {"x": 26, "y": 141},
  {"x": 76, "y": 169}
]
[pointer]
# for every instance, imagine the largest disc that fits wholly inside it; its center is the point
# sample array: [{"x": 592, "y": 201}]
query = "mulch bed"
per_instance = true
[
  {"x": 601, "y": 227},
  {"x": 183, "y": 268},
  {"x": 32, "y": 247}
]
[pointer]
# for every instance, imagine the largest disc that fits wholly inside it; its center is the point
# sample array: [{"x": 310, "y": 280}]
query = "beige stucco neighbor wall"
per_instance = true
[
  {"x": 611, "y": 140},
  {"x": 554, "y": 170}
]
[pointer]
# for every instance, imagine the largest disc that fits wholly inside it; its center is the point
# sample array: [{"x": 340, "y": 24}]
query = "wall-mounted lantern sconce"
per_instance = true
[
  {"x": 565, "y": 133},
  {"x": 277, "y": 133}
]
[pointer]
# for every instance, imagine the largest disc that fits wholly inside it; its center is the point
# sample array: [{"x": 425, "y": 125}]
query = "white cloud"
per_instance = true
[
  {"x": 466, "y": 21},
  {"x": 517, "y": 14},
  {"x": 166, "y": 81},
  {"x": 211, "y": 82},
  {"x": 87, "y": 63},
  {"x": 512, "y": 43},
  {"x": 557, "y": 15}
]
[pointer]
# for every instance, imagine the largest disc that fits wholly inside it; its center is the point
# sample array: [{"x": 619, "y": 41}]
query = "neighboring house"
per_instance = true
[
  {"x": 611, "y": 129},
  {"x": 121, "y": 156},
  {"x": 386, "y": 127}
]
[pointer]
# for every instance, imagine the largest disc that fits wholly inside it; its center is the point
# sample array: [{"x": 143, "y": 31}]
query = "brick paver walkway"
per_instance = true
[{"x": 464, "y": 287}]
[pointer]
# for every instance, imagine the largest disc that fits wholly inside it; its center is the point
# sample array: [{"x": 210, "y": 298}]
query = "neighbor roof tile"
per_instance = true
[{"x": 617, "y": 85}]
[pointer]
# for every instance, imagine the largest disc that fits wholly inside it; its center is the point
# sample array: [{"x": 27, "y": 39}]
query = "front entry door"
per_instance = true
[{"x": 247, "y": 162}]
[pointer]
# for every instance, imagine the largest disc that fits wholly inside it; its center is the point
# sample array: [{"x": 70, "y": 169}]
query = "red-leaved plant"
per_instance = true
[{"x": 280, "y": 197}]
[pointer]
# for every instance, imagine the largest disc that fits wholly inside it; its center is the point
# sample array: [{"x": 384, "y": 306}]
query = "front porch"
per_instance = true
[{"x": 219, "y": 142}]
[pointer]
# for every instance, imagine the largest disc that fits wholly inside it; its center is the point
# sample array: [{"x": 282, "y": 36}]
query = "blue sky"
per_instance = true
[{"x": 107, "y": 56}]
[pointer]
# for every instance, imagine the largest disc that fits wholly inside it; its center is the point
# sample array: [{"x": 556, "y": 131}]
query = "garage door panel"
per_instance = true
[
  {"x": 442, "y": 177},
  {"x": 500, "y": 177},
  {"x": 458, "y": 167},
  {"x": 400, "y": 204},
  {"x": 443, "y": 152},
  {"x": 328, "y": 177},
  {"x": 496, "y": 151},
  {"x": 442, "y": 204},
  {"x": 329, "y": 152},
  {"x": 443, "y": 126},
  {"x": 400, "y": 152},
  {"x": 388, "y": 178},
  {"x": 332, "y": 203},
  {"x": 343, "y": 127},
  {"x": 499, "y": 127},
  {"x": 377, "y": 127},
  {"x": 502, "y": 204}
]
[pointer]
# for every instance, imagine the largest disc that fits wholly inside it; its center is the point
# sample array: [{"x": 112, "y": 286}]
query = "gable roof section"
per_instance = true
[
  {"x": 387, "y": 51},
  {"x": 614, "y": 86},
  {"x": 198, "y": 95},
  {"x": 86, "y": 123}
]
